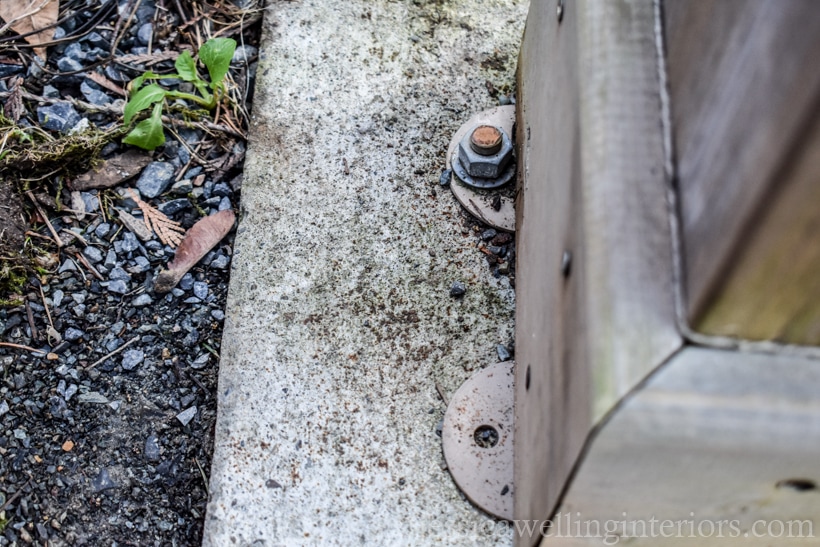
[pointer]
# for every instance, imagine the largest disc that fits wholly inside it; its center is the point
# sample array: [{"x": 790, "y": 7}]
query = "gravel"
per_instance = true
[
  {"x": 108, "y": 424},
  {"x": 155, "y": 179}
]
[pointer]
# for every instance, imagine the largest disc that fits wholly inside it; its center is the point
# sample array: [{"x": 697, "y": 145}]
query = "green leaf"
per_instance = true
[
  {"x": 148, "y": 134},
  {"x": 216, "y": 54},
  {"x": 186, "y": 67},
  {"x": 137, "y": 82},
  {"x": 141, "y": 100}
]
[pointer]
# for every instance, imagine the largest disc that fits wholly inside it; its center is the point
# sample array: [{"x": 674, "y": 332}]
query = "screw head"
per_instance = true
[{"x": 486, "y": 140}]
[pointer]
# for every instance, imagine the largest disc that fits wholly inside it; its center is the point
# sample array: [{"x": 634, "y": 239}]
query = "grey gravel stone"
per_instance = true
[
  {"x": 174, "y": 206},
  {"x": 4, "y": 407},
  {"x": 503, "y": 352},
  {"x": 488, "y": 234},
  {"x": 93, "y": 254},
  {"x": 186, "y": 415},
  {"x": 132, "y": 358},
  {"x": 145, "y": 33},
  {"x": 224, "y": 204},
  {"x": 219, "y": 315},
  {"x": 221, "y": 262},
  {"x": 191, "y": 338},
  {"x": 152, "y": 448},
  {"x": 118, "y": 273},
  {"x": 457, "y": 289},
  {"x": 92, "y": 397},
  {"x": 67, "y": 64},
  {"x": 57, "y": 298},
  {"x": 72, "y": 334},
  {"x": 182, "y": 188},
  {"x": 155, "y": 178},
  {"x": 130, "y": 242},
  {"x": 94, "y": 95},
  {"x": 110, "y": 259},
  {"x": 102, "y": 230},
  {"x": 102, "y": 481},
  {"x": 243, "y": 54},
  {"x": 67, "y": 266},
  {"x": 118, "y": 286},
  {"x": 200, "y": 362},
  {"x": 70, "y": 391},
  {"x": 201, "y": 290},
  {"x": 444, "y": 179},
  {"x": 142, "y": 300}
]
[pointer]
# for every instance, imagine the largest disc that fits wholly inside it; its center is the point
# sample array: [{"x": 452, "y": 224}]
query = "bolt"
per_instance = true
[
  {"x": 486, "y": 140},
  {"x": 559, "y": 10},
  {"x": 485, "y": 152}
]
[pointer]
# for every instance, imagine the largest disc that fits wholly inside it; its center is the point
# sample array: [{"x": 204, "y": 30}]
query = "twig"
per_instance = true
[
  {"x": 41, "y": 236},
  {"x": 75, "y": 235},
  {"x": 442, "y": 394},
  {"x": 15, "y": 495},
  {"x": 45, "y": 218},
  {"x": 113, "y": 353},
  {"x": 34, "y": 333},
  {"x": 202, "y": 472},
  {"x": 88, "y": 265},
  {"x": 18, "y": 346},
  {"x": 45, "y": 305}
]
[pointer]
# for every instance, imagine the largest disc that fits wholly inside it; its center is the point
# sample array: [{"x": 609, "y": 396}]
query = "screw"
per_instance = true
[
  {"x": 486, "y": 140},
  {"x": 559, "y": 10}
]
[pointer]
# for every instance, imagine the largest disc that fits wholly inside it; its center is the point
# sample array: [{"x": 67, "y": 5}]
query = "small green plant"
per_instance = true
[{"x": 215, "y": 54}]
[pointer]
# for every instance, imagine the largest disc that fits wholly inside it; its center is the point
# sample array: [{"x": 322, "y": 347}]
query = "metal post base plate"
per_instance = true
[{"x": 477, "y": 437}]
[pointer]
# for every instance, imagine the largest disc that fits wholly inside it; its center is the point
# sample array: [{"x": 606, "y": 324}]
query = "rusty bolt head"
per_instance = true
[
  {"x": 486, "y": 140},
  {"x": 482, "y": 164}
]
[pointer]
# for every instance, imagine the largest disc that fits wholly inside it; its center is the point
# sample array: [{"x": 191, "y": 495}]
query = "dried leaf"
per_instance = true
[
  {"x": 24, "y": 16},
  {"x": 102, "y": 81},
  {"x": 14, "y": 108},
  {"x": 201, "y": 238},
  {"x": 78, "y": 205},
  {"x": 169, "y": 231},
  {"x": 112, "y": 171}
]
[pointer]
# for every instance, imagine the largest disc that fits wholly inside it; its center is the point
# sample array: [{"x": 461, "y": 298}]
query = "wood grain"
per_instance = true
[{"x": 744, "y": 87}]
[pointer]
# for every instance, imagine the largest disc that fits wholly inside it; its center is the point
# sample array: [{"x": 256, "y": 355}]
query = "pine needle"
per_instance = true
[{"x": 169, "y": 231}]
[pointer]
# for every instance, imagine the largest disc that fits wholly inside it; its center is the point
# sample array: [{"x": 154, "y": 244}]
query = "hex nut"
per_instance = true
[{"x": 487, "y": 167}]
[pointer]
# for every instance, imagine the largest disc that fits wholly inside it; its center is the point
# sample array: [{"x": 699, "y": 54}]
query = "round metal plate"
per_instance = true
[
  {"x": 480, "y": 202},
  {"x": 483, "y": 473}
]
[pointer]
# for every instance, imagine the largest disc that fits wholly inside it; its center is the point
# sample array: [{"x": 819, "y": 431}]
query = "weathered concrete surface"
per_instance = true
[{"x": 339, "y": 318}]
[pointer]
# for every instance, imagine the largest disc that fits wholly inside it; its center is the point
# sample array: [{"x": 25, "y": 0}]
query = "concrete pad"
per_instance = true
[{"x": 339, "y": 320}]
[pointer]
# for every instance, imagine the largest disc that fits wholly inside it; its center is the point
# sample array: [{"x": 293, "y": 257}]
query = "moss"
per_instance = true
[{"x": 29, "y": 153}]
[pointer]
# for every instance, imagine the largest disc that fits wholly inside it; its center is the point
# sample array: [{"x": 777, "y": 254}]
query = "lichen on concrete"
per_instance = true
[{"x": 339, "y": 320}]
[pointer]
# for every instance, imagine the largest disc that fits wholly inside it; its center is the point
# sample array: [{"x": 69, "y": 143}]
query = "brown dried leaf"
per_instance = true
[
  {"x": 102, "y": 81},
  {"x": 13, "y": 108},
  {"x": 112, "y": 171},
  {"x": 169, "y": 231},
  {"x": 24, "y": 16},
  {"x": 201, "y": 238}
]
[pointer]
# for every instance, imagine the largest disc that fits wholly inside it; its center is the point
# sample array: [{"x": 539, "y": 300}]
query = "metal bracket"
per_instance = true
[
  {"x": 477, "y": 437},
  {"x": 480, "y": 203}
]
